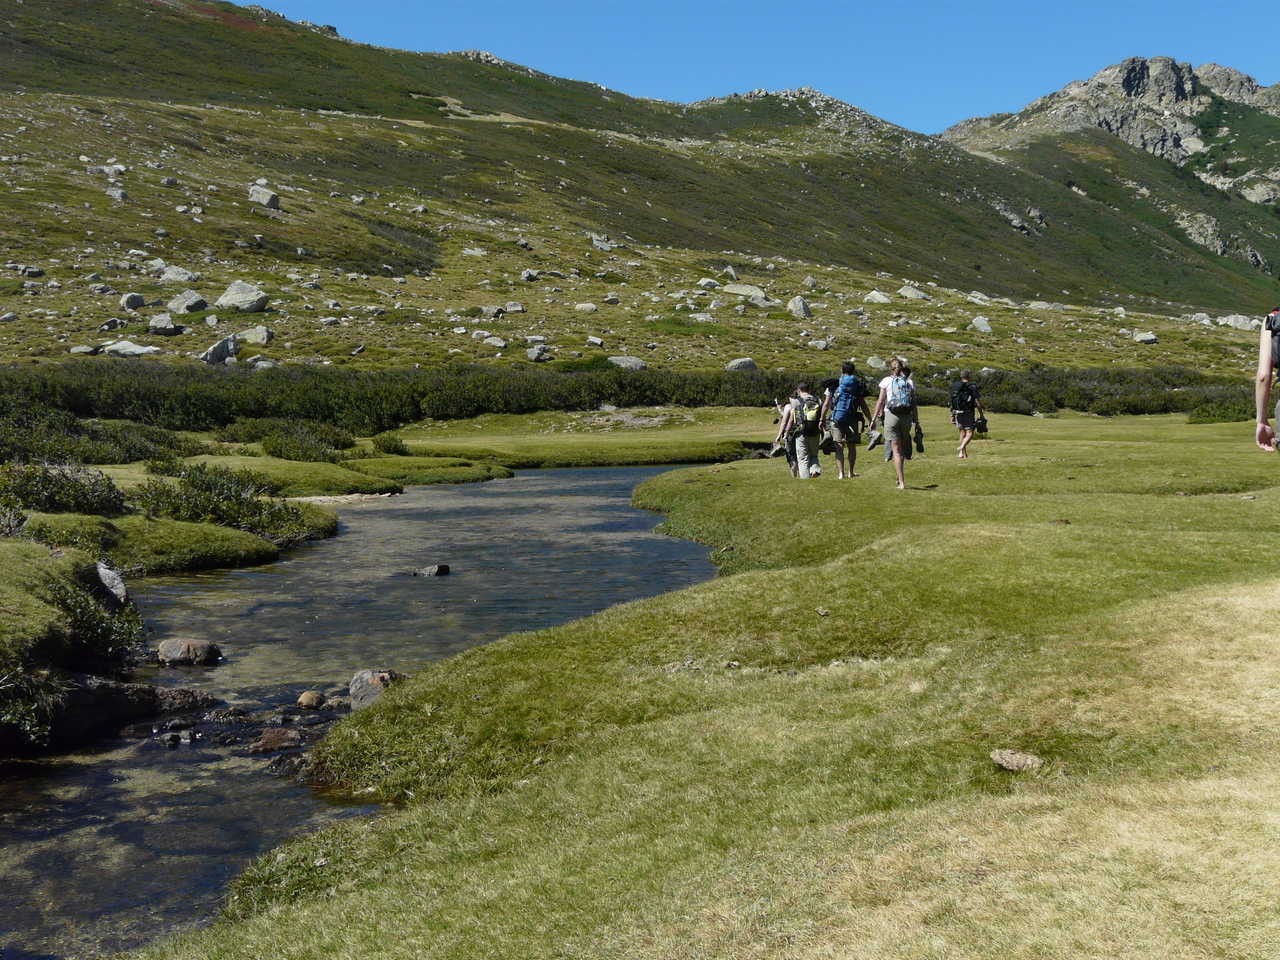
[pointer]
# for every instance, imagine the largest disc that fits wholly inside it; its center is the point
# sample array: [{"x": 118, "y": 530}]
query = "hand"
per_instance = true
[{"x": 1265, "y": 437}]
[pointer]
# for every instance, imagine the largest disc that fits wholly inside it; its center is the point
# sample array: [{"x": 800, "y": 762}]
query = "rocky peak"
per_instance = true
[
  {"x": 1228, "y": 83},
  {"x": 1159, "y": 81}
]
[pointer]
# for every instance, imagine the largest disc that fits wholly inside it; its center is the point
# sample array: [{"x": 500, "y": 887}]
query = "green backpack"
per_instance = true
[{"x": 807, "y": 420}]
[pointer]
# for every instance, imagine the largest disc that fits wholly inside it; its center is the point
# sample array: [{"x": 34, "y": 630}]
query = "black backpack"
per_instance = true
[
  {"x": 1272, "y": 323},
  {"x": 964, "y": 397}
]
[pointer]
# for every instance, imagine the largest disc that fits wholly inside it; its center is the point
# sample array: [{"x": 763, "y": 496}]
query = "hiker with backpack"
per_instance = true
[
  {"x": 897, "y": 403},
  {"x": 1268, "y": 365},
  {"x": 844, "y": 410},
  {"x": 786, "y": 440},
  {"x": 966, "y": 405},
  {"x": 806, "y": 428}
]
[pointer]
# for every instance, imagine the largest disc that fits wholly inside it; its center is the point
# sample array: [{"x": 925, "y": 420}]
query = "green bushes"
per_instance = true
[
  {"x": 34, "y": 432},
  {"x": 371, "y": 402},
  {"x": 391, "y": 445},
  {"x": 59, "y": 488},
  {"x": 1223, "y": 411},
  {"x": 229, "y": 498},
  {"x": 300, "y": 444}
]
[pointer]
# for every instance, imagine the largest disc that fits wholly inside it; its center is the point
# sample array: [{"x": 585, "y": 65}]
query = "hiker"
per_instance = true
[
  {"x": 806, "y": 427},
  {"x": 1268, "y": 363},
  {"x": 786, "y": 438},
  {"x": 844, "y": 410},
  {"x": 897, "y": 402},
  {"x": 966, "y": 405}
]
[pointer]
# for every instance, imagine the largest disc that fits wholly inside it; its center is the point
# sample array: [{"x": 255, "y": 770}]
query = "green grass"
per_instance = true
[
  {"x": 298, "y": 479},
  {"x": 791, "y": 760},
  {"x": 427, "y": 470}
]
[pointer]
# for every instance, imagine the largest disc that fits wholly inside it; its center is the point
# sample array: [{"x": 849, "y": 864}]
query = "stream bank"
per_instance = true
[{"x": 113, "y": 847}]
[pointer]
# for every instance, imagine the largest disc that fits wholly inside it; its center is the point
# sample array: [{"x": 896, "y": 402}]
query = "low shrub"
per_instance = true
[
  {"x": 60, "y": 488},
  {"x": 42, "y": 434},
  {"x": 256, "y": 429},
  {"x": 229, "y": 498},
  {"x": 299, "y": 444},
  {"x": 391, "y": 445},
  {"x": 1223, "y": 411}
]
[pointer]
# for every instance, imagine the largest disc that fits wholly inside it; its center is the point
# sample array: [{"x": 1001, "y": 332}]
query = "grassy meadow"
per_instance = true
[{"x": 792, "y": 759}]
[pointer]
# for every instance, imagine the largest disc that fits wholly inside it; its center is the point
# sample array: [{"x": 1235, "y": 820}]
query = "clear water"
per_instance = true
[{"x": 111, "y": 848}]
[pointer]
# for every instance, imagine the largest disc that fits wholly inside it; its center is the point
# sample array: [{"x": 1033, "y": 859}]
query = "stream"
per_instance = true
[{"x": 113, "y": 847}]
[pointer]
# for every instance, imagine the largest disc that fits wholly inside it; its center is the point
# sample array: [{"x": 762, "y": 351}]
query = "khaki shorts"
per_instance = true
[{"x": 845, "y": 434}]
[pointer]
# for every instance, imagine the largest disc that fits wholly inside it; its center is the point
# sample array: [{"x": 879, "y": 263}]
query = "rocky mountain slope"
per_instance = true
[
  {"x": 383, "y": 200},
  {"x": 1215, "y": 122}
]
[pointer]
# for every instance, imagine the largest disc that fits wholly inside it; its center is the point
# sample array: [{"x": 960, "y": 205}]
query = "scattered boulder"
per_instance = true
[
  {"x": 187, "y": 302},
  {"x": 819, "y": 344},
  {"x": 222, "y": 351},
  {"x": 913, "y": 293},
  {"x": 594, "y": 342},
  {"x": 274, "y": 739},
  {"x": 126, "y": 348},
  {"x": 259, "y": 335},
  {"x": 744, "y": 290},
  {"x": 496, "y": 342},
  {"x": 242, "y": 297},
  {"x": 628, "y": 363},
  {"x": 1238, "y": 322},
  {"x": 529, "y": 276},
  {"x": 132, "y": 301},
  {"x": 586, "y": 308},
  {"x": 162, "y": 325},
  {"x": 311, "y": 700},
  {"x": 1015, "y": 761},
  {"x": 261, "y": 195},
  {"x": 729, "y": 272},
  {"x": 539, "y": 353},
  {"x": 1145, "y": 337},
  {"x": 875, "y": 296},
  {"x": 113, "y": 586},
  {"x": 514, "y": 306},
  {"x": 368, "y": 685},
  {"x": 184, "y": 650},
  {"x": 8, "y": 317},
  {"x": 707, "y": 283},
  {"x": 877, "y": 363},
  {"x": 798, "y": 307},
  {"x": 742, "y": 363},
  {"x": 435, "y": 570},
  {"x": 810, "y": 282},
  {"x": 981, "y": 324},
  {"x": 173, "y": 274}
]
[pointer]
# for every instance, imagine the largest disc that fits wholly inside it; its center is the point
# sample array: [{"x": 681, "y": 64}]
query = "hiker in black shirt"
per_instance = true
[{"x": 965, "y": 409}]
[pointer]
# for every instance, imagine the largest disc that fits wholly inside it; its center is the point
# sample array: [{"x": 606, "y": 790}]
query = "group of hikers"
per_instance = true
[{"x": 833, "y": 423}]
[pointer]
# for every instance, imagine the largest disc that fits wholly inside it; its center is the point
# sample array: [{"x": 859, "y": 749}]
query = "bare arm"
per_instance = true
[
  {"x": 880, "y": 402},
  {"x": 1264, "y": 435}
]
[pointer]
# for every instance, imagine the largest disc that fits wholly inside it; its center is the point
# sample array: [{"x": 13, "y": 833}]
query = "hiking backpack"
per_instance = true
[
  {"x": 1272, "y": 323},
  {"x": 964, "y": 397},
  {"x": 902, "y": 395},
  {"x": 807, "y": 419},
  {"x": 846, "y": 399}
]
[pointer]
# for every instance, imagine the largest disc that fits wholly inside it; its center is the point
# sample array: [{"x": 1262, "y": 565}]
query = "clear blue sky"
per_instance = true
[{"x": 924, "y": 65}]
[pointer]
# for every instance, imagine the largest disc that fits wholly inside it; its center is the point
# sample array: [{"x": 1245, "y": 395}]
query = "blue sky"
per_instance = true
[{"x": 924, "y": 65}]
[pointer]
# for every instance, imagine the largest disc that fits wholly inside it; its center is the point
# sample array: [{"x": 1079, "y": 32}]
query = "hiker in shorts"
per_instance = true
[
  {"x": 897, "y": 402},
  {"x": 785, "y": 438},
  {"x": 844, "y": 410},
  {"x": 1268, "y": 364},
  {"x": 966, "y": 406},
  {"x": 806, "y": 427}
]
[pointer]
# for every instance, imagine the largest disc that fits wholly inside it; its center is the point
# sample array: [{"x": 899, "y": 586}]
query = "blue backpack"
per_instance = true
[
  {"x": 846, "y": 398},
  {"x": 902, "y": 395}
]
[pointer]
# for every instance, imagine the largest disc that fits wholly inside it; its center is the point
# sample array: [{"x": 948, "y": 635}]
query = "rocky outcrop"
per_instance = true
[
  {"x": 368, "y": 685},
  {"x": 95, "y": 707}
]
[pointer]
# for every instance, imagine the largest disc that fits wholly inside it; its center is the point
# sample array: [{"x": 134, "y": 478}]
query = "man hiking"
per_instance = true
[
  {"x": 844, "y": 410},
  {"x": 966, "y": 405},
  {"x": 806, "y": 427},
  {"x": 1268, "y": 363}
]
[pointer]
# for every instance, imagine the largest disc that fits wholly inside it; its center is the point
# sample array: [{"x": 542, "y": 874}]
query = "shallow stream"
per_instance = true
[{"x": 111, "y": 848}]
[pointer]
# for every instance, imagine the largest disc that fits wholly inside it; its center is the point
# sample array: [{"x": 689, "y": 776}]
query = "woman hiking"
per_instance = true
[
  {"x": 843, "y": 409},
  {"x": 1268, "y": 362},
  {"x": 897, "y": 402}
]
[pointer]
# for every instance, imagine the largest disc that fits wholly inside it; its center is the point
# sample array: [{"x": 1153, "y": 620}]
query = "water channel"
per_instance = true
[{"x": 113, "y": 847}]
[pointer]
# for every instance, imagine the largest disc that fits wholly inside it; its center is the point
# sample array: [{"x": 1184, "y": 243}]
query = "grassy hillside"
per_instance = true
[
  {"x": 792, "y": 760},
  {"x": 399, "y": 216}
]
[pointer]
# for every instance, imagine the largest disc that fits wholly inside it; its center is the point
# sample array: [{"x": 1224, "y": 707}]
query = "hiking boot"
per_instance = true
[{"x": 876, "y": 439}]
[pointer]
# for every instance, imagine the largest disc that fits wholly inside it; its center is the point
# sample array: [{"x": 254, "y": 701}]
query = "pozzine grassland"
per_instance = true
[{"x": 792, "y": 760}]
